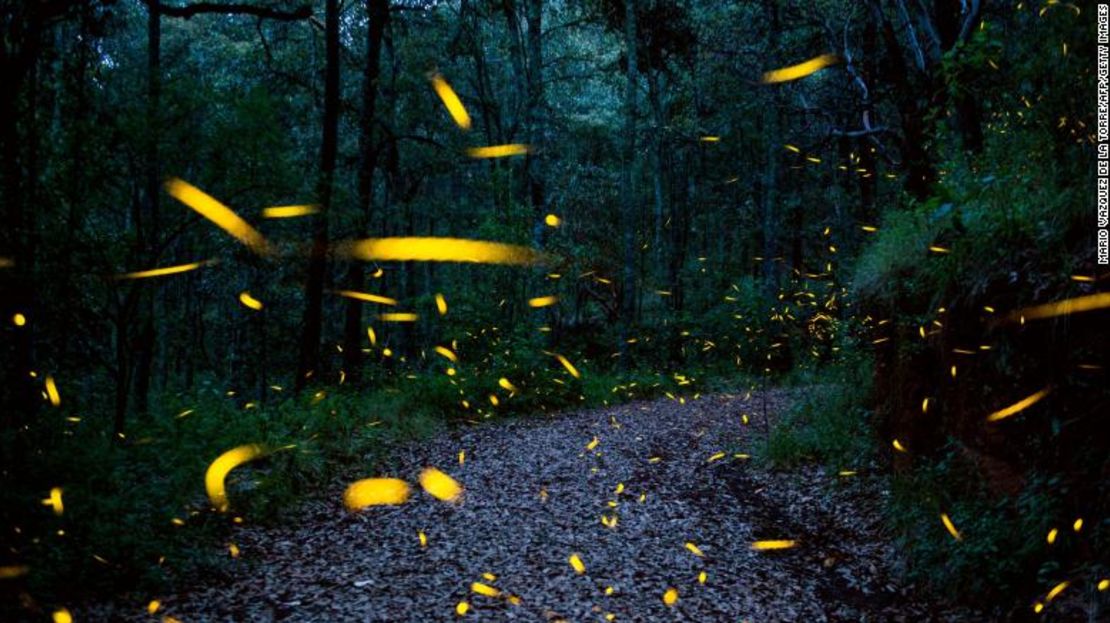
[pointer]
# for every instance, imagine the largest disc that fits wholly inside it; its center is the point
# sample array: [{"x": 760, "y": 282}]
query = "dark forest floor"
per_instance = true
[{"x": 535, "y": 495}]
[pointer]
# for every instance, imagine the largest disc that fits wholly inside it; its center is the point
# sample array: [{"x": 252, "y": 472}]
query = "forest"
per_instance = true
[{"x": 555, "y": 310}]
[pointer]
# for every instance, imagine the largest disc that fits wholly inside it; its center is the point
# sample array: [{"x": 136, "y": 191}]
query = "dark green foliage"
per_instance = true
[{"x": 829, "y": 422}]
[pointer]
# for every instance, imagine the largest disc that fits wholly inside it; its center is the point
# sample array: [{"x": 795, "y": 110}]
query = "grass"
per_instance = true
[
  {"x": 829, "y": 423},
  {"x": 136, "y": 517}
]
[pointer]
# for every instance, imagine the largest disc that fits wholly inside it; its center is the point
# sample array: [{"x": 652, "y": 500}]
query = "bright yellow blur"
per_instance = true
[
  {"x": 375, "y": 492},
  {"x": 440, "y": 485},
  {"x": 451, "y": 101},
  {"x": 499, "y": 151},
  {"x": 439, "y": 250},
  {"x": 1018, "y": 406},
  {"x": 211, "y": 209},
  {"x": 249, "y": 301},
  {"x": 219, "y": 469},
  {"x": 801, "y": 70},
  {"x": 1065, "y": 307},
  {"x": 760, "y": 546},
  {"x": 289, "y": 211},
  {"x": 366, "y": 296},
  {"x": 161, "y": 272}
]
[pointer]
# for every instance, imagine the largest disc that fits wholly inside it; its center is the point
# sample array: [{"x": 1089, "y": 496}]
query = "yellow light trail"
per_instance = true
[
  {"x": 211, "y": 209},
  {"x": 1063, "y": 308},
  {"x": 52, "y": 391},
  {"x": 219, "y": 469},
  {"x": 439, "y": 250},
  {"x": 1018, "y": 406},
  {"x": 165, "y": 270},
  {"x": 499, "y": 151},
  {"x": 440, "y": 485},
  {"x": 249, "y": 301},
  {"x": 375, "y": 492},
  {"x": 451, "y": 101},
  {"x": 801, "y": 70},
  {"x": 760, "y": 546},
  {"x": 948, "y": 525},
  {"x": 289, "y": 211},
  {"x": 366, "y": 296}
]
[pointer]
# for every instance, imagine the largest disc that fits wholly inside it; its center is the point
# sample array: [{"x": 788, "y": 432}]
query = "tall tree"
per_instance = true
[
  {"x": 311, "y": 326},
  {"x": 377, "y": 12},
  {"x": 629, "y": 204}
]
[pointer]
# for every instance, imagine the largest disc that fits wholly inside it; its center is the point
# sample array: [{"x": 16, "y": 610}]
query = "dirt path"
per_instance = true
[{"x": 535, "y": 495}]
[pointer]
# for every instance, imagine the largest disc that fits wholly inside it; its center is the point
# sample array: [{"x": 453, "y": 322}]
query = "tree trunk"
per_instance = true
[
  {"x": 378, "y": 13},
  {"x": 627, "y": 191},
  {"x": 311, "y": 327}
]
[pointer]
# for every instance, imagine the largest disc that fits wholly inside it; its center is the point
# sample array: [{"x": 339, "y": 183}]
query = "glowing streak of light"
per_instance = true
[
  {"x": 55, "y": 501},
  {"x": 399, "y": 317},
  {"x": 162, "y": 272},
  {"x": 898, "y": 446},
  {"x": 439, "y": 485},
  {"x": 1018, "y": 406},
  {"x": 1065, "y": 307},
  {"x": 52, "y": 391},
  {"x": 762, "y": 546},
  {"x": 61, "y": 615},
  {"x": 289, "y": 211},
  {"x": 670, "y": 596},
  {"x": 948, "y": 525},
  {"x": 577, "y": 564},
  {"x": 249, "y": 301},
  {"x": 485, "y": 589},
  {"x": 451, "y": 101},
  {"x": 439, "y": 250},
  {"x": 507, "y": 384},
  {"x": 211, "y": 209},
  {"x": 375, "y": 492},
  {"x": 568, "y": 365},
  {"x": 801, "y": 70},
  {"x": 219, "y": 469},
  {"x": 543, "y": 301},
  {"x": 1056, "y": 590},
  {"x": 499, "y": 151},
  {"x": 552, "y": 221},
  {"x": 441, "y": 305},
  {"x": 695, "y": 550},
  {"x": 446, "y": 352},
  {"x": 366, "y": 296}
]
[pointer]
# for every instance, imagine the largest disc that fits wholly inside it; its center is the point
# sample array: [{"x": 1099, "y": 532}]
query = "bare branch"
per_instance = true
[{"x": 189, "y": 10}]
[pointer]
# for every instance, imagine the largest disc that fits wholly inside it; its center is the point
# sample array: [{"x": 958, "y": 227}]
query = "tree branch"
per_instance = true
[{"x": 188, "y": 11}]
